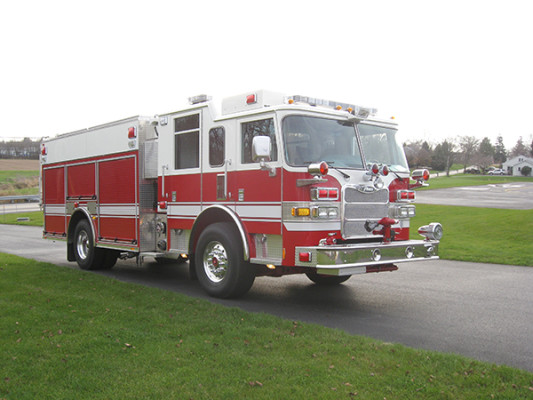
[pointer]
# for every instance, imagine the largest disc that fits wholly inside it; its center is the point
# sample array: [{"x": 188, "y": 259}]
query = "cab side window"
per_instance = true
[
  {"x": 187, "y": 142},
  {"x": 264, "y": 127},
  {"x": 217, "y": 141}
]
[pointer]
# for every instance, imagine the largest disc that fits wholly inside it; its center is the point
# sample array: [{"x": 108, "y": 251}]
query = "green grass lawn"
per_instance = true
[
  {"x": 70, "y": 334},
  {"x": 489, "y": 235},
  {"x": 35, "y": 218},
  {"x": 19, "y": 183},
  {"x": 443, "y": 182}
]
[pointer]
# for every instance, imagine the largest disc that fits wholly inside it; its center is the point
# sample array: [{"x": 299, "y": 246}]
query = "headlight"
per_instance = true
[
  {"x": 326, "y": 212},
  {"x": 403, "y": 211}
]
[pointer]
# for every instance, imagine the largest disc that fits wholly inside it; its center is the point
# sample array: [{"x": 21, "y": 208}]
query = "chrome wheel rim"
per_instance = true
[
  {"x": 215, "y": 261},
  {"x": 82, "y": 245}
]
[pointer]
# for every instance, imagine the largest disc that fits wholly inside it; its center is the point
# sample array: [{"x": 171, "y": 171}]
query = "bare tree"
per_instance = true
[{"x": 468, "y": 146}]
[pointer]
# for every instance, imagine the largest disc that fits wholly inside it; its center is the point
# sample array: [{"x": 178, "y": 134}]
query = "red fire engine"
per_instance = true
[{"x": 270, "y": 185}]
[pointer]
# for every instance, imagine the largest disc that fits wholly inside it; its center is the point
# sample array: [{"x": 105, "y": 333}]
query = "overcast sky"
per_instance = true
[{"x": 442, "y": 68}]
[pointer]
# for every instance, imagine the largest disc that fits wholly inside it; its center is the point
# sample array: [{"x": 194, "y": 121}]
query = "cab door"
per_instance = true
[
  {"x": 181, "y": 176},
  {"x": 257, "y": 189}
]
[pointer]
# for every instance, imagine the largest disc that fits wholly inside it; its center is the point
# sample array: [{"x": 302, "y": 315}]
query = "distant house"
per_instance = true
[{"x": 514, "y": 165}]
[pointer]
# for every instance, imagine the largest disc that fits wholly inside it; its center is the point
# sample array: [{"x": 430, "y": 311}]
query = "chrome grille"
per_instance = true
[{"x": 360, "y": 207}]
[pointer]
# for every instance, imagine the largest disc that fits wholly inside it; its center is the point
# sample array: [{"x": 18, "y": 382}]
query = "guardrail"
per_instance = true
[
  {"x": 17, "y": 204},
  {"x": 30, "y": 198}
]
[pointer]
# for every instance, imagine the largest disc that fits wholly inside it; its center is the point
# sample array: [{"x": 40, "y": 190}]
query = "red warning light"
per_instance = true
[
  {"x": 324, "y": 168},
  {"x": 251, "y": 99}
]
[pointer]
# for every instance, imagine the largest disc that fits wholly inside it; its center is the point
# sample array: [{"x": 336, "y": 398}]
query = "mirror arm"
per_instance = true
[{"x": 265, "y": 167}]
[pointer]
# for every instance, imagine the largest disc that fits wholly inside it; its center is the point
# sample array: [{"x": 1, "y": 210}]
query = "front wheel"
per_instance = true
[
  {"x": 327, "y": 280},
  {"x": 219, "y": 263}
]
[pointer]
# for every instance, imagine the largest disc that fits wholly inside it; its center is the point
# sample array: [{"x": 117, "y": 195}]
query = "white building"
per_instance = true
[{"x": 514, "y": 165}]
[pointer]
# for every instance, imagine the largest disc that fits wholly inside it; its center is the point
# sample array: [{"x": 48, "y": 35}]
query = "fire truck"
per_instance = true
[{"x": 262, "y": 184}]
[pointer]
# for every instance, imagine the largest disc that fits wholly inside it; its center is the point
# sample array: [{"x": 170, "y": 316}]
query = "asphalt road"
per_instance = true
[
  {"x": 482, "y": 311},
  {"x": 516, "y": 195}
]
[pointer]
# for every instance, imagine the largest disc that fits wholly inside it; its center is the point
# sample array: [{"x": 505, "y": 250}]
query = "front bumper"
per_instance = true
[{"x": 361, "y": 258}]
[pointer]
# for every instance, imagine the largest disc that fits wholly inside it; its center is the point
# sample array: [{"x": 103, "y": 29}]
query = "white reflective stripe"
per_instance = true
[
  {"x": 259, "y": 211},
  {"x": 119, "y": 209},
  {"x": 117, "y": 216},
  {"x": 261, "y": 220},
  {"x": 54, "y": 209},
  {"x": 312, "y": 226},
  {"x": 184, "y": 210}
]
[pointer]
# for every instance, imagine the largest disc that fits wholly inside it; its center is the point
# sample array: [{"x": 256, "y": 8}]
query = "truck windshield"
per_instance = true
[
  {"x": 312, "y": 139},
  {"x": 381, "y": 146}
]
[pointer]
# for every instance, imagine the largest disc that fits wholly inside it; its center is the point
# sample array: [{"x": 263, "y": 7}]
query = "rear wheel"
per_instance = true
[
  {"x": 327, "y": 280},
  {"x": 219, "y": 262},
  {"x": 87, "y": 256}
]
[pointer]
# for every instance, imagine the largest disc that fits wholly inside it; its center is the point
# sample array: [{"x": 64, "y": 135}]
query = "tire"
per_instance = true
[
  {"x": 220, "y": 267},
  {"x": 108, "y": 260},
  {"x": 167, "y": 260},
  {"x": 87, "y": 256},
  {"x": 327, "y": 280}
]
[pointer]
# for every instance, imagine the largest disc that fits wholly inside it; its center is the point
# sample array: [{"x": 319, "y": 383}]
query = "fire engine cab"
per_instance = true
[{"x": 269, "y": 185}]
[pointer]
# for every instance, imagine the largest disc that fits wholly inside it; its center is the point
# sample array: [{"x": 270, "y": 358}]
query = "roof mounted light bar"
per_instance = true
[
  {"x": 359, "y": 112},
  {"x": 201, "y": 98}
]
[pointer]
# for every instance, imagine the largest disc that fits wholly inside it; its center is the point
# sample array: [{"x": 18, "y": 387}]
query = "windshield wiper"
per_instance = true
[
  {"x": 344, "y": 174},
  {"x": 395, "y": 173}
]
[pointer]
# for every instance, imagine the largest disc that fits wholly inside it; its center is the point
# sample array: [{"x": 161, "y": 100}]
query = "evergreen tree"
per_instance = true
[
  {"x": 519, "y": 148},
  {"x": 486, "y": 148},
  {"x": 443, "y": 157},
  {"x": 500, "y": 154}
]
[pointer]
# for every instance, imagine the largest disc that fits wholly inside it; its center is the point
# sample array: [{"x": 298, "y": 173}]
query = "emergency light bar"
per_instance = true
[
  {"x": 359, "y": 112},
  {"x": 201, "y": 98}
]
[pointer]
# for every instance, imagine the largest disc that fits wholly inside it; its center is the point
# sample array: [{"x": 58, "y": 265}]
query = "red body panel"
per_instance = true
[
  {"x": 81, "y": 180},
  {"x": 108, "y": 183},
  {"x": 54, "y": 200},
  {"x": 54, "y": 186},
  {"x": 119, "y": 229},
  {"x": 117, "y": 181}
]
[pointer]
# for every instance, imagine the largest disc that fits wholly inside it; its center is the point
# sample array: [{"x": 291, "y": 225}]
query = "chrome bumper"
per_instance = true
[{"x": 355, "y": 259}]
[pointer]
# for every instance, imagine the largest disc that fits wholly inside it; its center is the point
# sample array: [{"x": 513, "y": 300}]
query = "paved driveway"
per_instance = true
[
  {"x": 481, "y": 311},
  {"x": 517, "y": 196}
]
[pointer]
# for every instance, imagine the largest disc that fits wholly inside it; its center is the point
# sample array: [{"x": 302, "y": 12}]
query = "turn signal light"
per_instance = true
[{"x": 300, "y": 212}]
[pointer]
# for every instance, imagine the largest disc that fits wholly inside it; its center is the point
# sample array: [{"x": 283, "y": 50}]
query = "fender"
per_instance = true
[
  {"x": 222, "y": 213},
  {"x": 77, "y": 216}
]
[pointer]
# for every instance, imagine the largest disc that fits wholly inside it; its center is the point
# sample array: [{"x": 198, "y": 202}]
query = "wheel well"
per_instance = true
[
  {"x": 212, "y": 215},
  {"x": 74, "y": 220}
]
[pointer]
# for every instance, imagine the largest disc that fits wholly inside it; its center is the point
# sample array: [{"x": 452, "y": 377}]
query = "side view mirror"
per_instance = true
[{"x": 261, "y": 147}]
